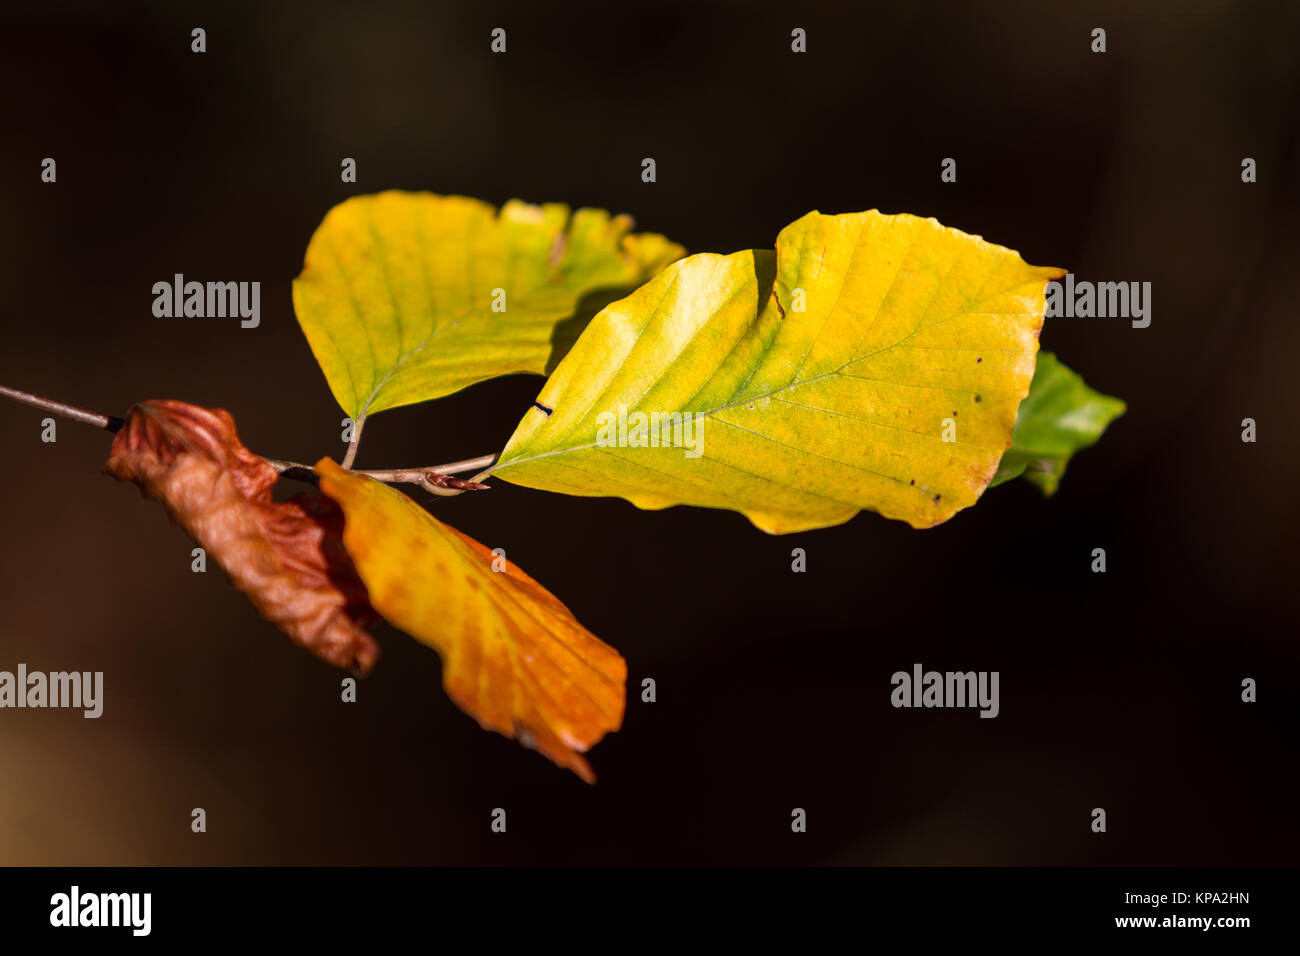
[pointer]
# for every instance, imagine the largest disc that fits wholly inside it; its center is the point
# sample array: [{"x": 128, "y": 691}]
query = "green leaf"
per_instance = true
[
  {"x": 825, "y": 378},
  {"x": 406, "y": 297},
  {"x": 1060, "y": 416}
]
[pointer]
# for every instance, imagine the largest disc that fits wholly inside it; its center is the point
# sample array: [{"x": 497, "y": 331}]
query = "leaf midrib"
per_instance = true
[{"x": 790, "y": 385}]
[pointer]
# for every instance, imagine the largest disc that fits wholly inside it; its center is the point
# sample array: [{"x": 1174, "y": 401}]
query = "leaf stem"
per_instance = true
[
  {"x": 451, "y": 468},
  {"x": 434, "y": 479},
  {"x": 351, "y": 455}
]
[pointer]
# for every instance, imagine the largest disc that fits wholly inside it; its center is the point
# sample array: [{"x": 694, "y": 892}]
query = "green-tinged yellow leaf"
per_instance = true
[
  {"x": 1060, "y": 416},
  {"x": 827, "y": 378},
  {"x": 513, "y": 656},
  {"x": 398, "y": 291}
]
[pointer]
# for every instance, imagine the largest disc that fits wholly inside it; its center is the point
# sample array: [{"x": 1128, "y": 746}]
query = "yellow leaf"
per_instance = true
[
  {"x": 870, "y": 362},
  {"x": 406, "y": 297},
  {"x": 513, "y": 656}
]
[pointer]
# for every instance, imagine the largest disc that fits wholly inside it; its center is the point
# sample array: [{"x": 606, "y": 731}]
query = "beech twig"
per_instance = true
[
  {"x": 107, "y": 422},
  {"x": 435, "y": 479}
]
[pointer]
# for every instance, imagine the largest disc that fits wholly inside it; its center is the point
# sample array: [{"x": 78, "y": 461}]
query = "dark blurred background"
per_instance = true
[{"x": 1119, "y": 690}]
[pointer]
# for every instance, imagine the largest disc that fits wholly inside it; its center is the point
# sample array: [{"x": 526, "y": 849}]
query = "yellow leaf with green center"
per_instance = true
[
  {"x": 513, "y": 656},
  {"x": 406, "y": 297},
  {"x": 869, "y": 362}
]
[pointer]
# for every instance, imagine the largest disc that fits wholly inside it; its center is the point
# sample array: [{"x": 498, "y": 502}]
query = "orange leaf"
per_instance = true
[
  {"x": 286, "y": 557},
  {"x": 514, "y": 657}
]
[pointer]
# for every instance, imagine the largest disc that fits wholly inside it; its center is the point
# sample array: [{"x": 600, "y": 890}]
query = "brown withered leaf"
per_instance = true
[{"x": 286, "y": 557}]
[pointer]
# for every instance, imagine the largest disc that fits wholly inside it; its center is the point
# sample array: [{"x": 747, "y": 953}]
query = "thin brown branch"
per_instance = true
[
  {"x": 433, "y": 479},
  {"x": 107, "y": 422},
  {"x": 451, "y": 468}
]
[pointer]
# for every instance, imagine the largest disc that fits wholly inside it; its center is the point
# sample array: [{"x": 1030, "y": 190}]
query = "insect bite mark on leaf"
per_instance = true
[
  {"x": 557, "y": 249},
  {"x": 777, "y": 299}
]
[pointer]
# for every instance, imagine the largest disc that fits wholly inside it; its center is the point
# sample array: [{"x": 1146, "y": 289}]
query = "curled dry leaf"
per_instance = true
[
  {"x": 513, "y": 656},
  {"x": 286, "y": 557}
]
